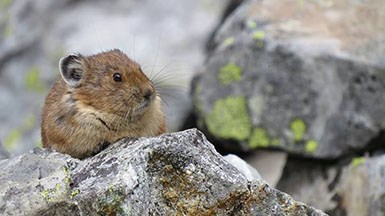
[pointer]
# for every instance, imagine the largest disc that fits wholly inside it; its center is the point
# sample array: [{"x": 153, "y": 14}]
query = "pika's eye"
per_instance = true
[{"x": 117, "y": 77}]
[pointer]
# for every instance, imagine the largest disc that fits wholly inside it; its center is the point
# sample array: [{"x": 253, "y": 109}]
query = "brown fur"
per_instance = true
[{"x": 79, "y": 120}]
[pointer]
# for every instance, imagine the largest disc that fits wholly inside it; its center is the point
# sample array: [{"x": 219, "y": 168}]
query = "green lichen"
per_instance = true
[
  {"x": 228, "y": 42},
  {"x": 298, "y": 129},
  {"x": 46, "y": 194},
  {"x": 251, "y": 24},
  {"x": 259, "y": 138},
  {"x": 229, "y": 119},
  {"x": 259, "y": 37},
  {"x": 74, "y": 193},
  {"x": 229, "y": 73},
  {"x": 67, "y": 178},
  {"x": 311, "y": 146},
  {"x": 32, "y": 80},
  {"x": 111, "y": 202},
  {"x": 275, "y": 142},
  {"x": 49, "y": 194},
  {"x": 5, "y": 3},
  {"x": 358, "y": 161},
  {"x": 12, "y": 138}
]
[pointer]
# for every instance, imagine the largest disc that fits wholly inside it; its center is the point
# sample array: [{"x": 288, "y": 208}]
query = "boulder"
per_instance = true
[
  {"x": 301, "y": 76},
  {"x": 312, "y": 181},
  {"x": 179, "y": 173},
  {"x": 355, "y": 188}
]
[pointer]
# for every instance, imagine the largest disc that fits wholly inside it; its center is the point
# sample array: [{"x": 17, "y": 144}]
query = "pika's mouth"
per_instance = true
[{"x": 144, "y": 105}]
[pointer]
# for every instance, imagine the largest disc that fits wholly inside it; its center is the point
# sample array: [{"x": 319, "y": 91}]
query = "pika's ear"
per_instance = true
[{"x": 71, "y": 69}]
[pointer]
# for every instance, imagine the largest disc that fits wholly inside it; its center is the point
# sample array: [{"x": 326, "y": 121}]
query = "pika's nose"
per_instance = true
[{"x": 147, "y": 93}]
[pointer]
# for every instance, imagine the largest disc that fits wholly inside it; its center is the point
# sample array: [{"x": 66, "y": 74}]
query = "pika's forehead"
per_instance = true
[{"x": 112, "y": 59}]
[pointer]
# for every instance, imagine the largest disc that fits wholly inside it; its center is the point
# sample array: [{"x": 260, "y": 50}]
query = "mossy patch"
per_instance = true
[
  {"x": 32, "y": 80},
  {"x": 52, "y": 194},
  {"x": 228, "y": 42},
  {"x": 112, "y": 202},
  {"x": 16, "y": 134},
  {"x": 357, "y": 161},
  {"x": 5, "y": 3},
  {"x": 259, "y": 138},
  {"x": 275, "y": 142},
  {"x": 13, "y": 137},
  {"x": 229, "y": 73},
  {"x": 229, "y": 119},
  {"x": 259, "y": 37},
  {"x": 251, "y": 24},
  {"x": 298, "y": 129},
  {"x": 74, "y": 193},
  {"x": 311, "y": 146}
]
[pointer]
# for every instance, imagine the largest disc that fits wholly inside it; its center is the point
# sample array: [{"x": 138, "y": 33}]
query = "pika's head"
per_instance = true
[{"x": 108, "y": 82}]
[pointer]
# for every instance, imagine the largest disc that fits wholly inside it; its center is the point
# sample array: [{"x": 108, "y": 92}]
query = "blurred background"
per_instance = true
[
  {"x": 163, "y": 36},
  {"x": 294, "y": 87}
]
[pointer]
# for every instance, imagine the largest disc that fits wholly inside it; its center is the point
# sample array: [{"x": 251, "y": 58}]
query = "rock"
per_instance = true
[
  {"x": 248, "y": 171},
  {"x": 270, "y": 164},
  {"x": 353, "y": 189},
  {"x": 174, "y": 173},
  {"x": 231, "y": 6},
  {"x": 311, "y": 181},
  {"x": 361, "y": 190},
  {"x": 167, "y": 41},
  {"x": 295, "y": 75}
]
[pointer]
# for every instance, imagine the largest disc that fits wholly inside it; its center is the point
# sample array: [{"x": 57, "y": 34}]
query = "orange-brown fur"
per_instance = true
[{"x": 79, "y": 120}]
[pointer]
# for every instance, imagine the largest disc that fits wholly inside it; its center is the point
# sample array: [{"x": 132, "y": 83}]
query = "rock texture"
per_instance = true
[
  {"x": 167, "y": 41},
  {"x": 302, "y": 76},
  {"x": 355, "y": 189},
  {"x": 178, "y": 173}
]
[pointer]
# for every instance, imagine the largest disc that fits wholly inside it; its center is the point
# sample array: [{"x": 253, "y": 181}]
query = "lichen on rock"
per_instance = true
[
  {"x": 174, "y": 174},
  {"x": 298, "y": 129},
  {"x": 229, "y": 119},
  {"x": 259, "y": 138},
  {"x": 229, "y": 73}
]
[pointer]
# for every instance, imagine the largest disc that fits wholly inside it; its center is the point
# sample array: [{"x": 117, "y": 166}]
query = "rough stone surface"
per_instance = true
[
  {"x": 34, "y": 34},
  {"x": 178, "y": 173},
  {"x": 248, "y": 171},
  {"x": 296, "y": 75},
  {"x": 312, "y": 181},
  {"x": 356, "y": 188}
]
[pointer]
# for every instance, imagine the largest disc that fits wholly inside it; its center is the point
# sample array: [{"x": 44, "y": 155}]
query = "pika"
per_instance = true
[{"x": 98, "y": 100}]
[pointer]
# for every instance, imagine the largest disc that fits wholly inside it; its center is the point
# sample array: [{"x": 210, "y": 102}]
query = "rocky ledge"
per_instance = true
[{"x": 174, "y": 174}]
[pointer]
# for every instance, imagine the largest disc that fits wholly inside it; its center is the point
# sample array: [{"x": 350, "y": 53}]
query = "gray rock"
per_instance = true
[
  {"x": 248, "y": 171},
  {"x": 353, "y": 189},
  {"x": 270, "y": 164},
  {"x": 279, "y": 80},
  {"x": 174, "y": 173},
  {"x": 167, "y": 41},
  {"x": 311, "y": 182}
]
